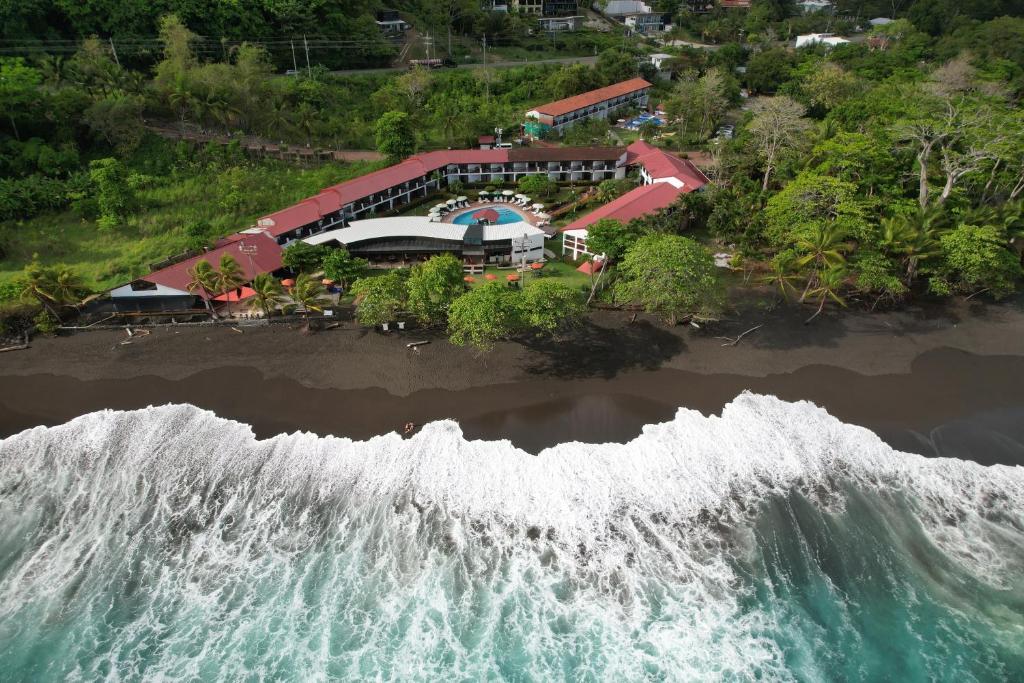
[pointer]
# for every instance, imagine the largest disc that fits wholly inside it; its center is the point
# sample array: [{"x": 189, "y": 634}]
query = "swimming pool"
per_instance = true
[{"x": 505, "y": 215}]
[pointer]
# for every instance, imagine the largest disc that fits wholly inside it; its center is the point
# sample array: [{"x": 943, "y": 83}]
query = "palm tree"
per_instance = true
[
  {"x": 39, "y": 284},
  {"x": 267, "y": 293},
  {"x": 66, "y": 286},
  {"x": 914, "y": 238},
  {"x": 830, "y": 282},
  {"x": 204, "y": 282},
  {"x": 822, "y": 248},
  {"x": 308, "y": 295},
  {"x": 229, "y": 274},
  {"x": 783, "y": 274}
]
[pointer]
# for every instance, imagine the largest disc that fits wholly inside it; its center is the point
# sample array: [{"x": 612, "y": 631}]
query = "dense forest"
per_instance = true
[{"x": 885, "y": 168}]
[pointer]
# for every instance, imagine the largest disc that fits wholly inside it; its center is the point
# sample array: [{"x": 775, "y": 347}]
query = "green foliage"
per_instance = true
[
  {"x": 302, "y": 257},
  {"x": 670, "y": 275},
  {"x": 307, "y": 295},
  {"x": 394, "y": 136},
  {"x": 268, "y": 294},
  {"x": 342, "y": 267},
  {"x": 611, "y": 238},
  {"x": 769, "y": 69},
  {"x": 46, "y": 323},
  {"x": 378, "y": 299},
  {"x": 484, "y": 315},
  {"x": 878, "y": 276},
  {"x": 114, "y": 197},
  {"x": 537, "y": 185},
  {"x": 976, "y": 258},
  {"x": 433, "y": 286},
  {"x": 813, "y": 200},
  {"x": 549, "y": 305},
  {"x": 199, "y": 234}
]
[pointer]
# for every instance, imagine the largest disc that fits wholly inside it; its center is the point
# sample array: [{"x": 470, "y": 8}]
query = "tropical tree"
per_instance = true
[
  {"x": 307, "y": 294},
  {"x": 914, "y": 238},
  {"x": 394, "y": 135},
  {"x": 229, "y": 274},
  {"x": 784, "y": 272},
  {"x": 827, "y": 287},
  {"x": 342, "y": 267},
  {"x": 548, "y": 305},
  {"x": 484, "y": 315},
  {"x": 302, "y": 257},
  {"x": 268, "y": 295},
  {"x": 203, "y": 283},
  {"x": 778, "y": 125},
  {"x": 433, "y": 286},
  {"x": 976, "y": 259},
  {"x": 670, "y": 275},
  {"x": 38, "y": 285},
  {"x": 378, "y": 299}
]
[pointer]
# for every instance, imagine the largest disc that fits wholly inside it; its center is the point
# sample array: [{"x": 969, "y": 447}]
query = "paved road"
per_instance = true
[{"x": 490, "y": 65}]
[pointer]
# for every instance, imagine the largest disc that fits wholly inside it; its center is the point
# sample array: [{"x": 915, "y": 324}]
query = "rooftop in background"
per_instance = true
[
  {"x": 620, "y": 8},
  {"x": 592, "y": 97}
]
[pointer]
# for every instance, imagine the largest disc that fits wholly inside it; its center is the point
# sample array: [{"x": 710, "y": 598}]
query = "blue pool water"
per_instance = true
[{"x": 505, "y": 215}]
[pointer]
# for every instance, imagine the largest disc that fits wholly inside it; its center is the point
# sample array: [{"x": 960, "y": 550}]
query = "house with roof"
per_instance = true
[
  {"x": 167, "y": 288},
  {"x": 663, "y": 177},
  {"x": 826, "y": 39},
  {"x": 599, "y": 103}
]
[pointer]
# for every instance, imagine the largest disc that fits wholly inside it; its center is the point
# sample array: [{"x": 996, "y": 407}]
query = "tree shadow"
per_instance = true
[{"x": 594, "y": 351}]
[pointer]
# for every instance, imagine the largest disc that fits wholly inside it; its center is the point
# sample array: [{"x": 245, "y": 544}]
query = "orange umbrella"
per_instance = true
[
  {"x": 327, "y": 281},
  {"x": 491, "y": 276},
  {"x": 288, "y": 282},
  {"x": 536, "y": 266},
  {"x": 469, "y": 278},
  {"x": 511, "y": 277}
]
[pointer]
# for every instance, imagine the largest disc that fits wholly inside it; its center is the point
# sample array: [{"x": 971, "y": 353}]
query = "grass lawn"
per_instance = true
[
  {"x": 563, "y": 272},
  {"x": 229, "y": 198}
]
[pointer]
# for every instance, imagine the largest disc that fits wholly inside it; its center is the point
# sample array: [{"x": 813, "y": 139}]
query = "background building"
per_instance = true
[{"x": 589, "y": 105}]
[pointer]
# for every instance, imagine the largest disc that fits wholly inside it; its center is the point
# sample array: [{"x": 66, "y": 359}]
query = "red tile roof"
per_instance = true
[
  {"x": 295, "y": 216},
  {"x": 266, "y": 259},
  {"x": 661, "y": 164},
  {"x": 638, "y": 202},
  {"x": 593, "y": 97}
]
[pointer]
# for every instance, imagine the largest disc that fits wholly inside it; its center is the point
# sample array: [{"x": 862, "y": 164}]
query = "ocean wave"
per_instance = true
[{"x": 770, "y": 541}]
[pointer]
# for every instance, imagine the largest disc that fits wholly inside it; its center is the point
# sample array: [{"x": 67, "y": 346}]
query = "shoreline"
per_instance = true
[{"x": 901, "y": 374}]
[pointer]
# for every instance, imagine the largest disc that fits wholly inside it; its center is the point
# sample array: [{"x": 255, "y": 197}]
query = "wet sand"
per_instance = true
[{"x": 921, "y": 378}]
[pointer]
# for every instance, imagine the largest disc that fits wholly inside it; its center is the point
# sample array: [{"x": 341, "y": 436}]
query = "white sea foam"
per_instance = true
[{"x": 441, "y": 557}]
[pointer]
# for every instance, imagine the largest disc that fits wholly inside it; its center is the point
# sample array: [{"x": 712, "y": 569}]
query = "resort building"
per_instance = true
[
  {"x": 423, "y": 174},
  {"x": 561, "y": 8},
  {"x": 663, "y": 176},
  {"x": 401, "y": 241},
  {"x": 528, "y": 6},
  {"x": 598, "y": 103},
  {"x": 167, "y": 289}
]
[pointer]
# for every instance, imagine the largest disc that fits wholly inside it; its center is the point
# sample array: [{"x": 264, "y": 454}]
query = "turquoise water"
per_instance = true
[
  {"x": 505, "y": 215},
  {"x": 771, "y": 543}
]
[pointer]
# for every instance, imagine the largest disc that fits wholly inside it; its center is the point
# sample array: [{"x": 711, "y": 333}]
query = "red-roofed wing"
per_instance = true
[
  {"x": 641, "y": 201},
  {"x": 592, "y": 97},
  {"x": 266, "y": 259}
]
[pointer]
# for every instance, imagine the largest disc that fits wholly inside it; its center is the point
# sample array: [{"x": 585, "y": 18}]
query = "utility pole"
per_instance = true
[
  {"x": 295, "y": 64},
  {"x": 487, "y": 79},
  {"x": 114, "y": 50},
  {"x": 309, "y": 69}
]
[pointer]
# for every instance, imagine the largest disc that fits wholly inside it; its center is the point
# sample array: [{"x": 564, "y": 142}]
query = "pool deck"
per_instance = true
[{"x": 527, "y": 215}]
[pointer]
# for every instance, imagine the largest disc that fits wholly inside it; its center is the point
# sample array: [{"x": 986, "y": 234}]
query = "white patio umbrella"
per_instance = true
[
  {"x": 507, "y": 193},
  {"x": 483, "y": 192},
  {"x": 462, "y": 199},
  {"x": 451, "y": 202},
  {"x": 538, "y": 207}
]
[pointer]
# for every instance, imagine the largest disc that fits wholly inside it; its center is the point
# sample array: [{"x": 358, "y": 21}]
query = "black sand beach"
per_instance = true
[{"x": 924, "y": 379}]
